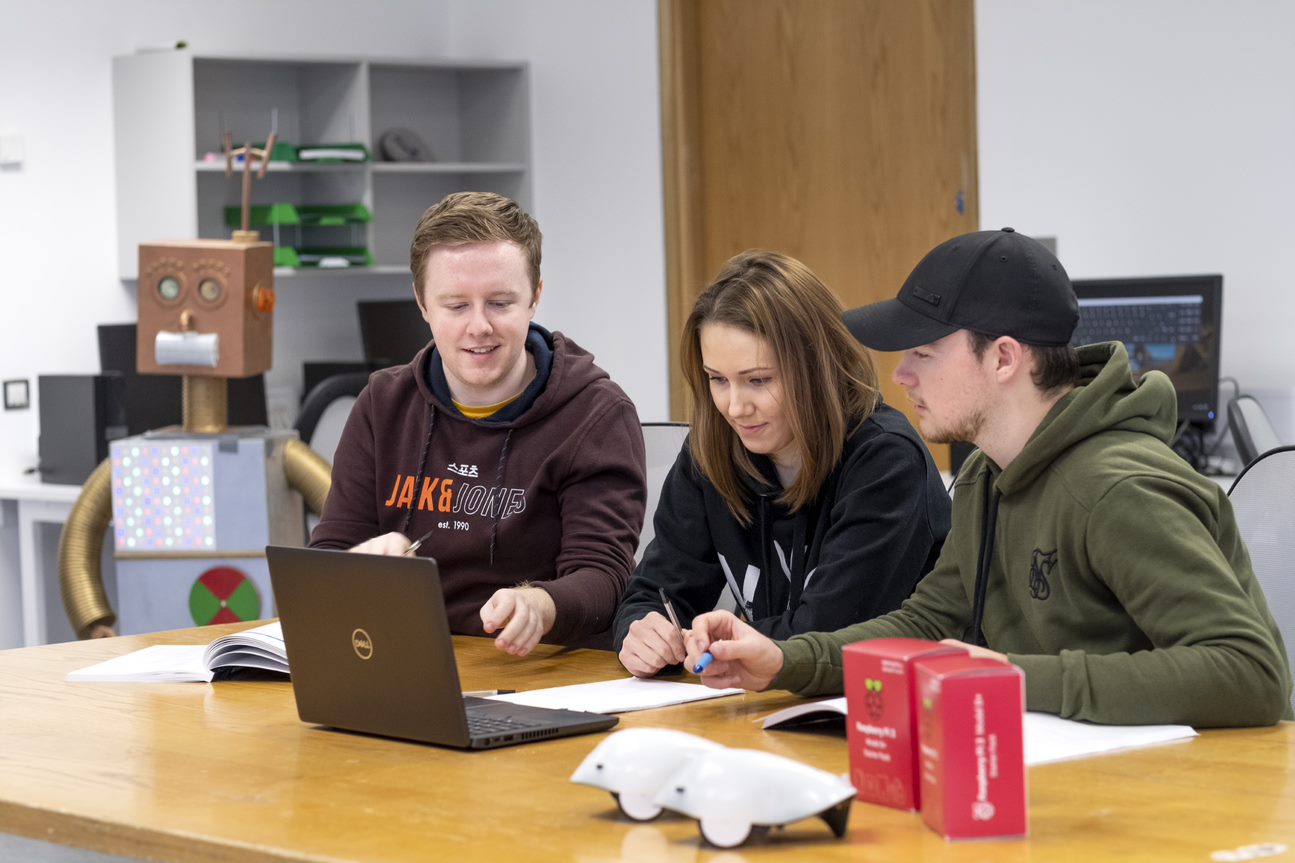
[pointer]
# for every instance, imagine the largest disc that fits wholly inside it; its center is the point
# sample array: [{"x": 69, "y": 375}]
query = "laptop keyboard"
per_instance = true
[{"x": 496, "y": 724}]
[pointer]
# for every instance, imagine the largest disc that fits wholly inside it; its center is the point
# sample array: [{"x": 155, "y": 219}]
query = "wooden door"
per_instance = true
[{"x": 842, "y": 132}]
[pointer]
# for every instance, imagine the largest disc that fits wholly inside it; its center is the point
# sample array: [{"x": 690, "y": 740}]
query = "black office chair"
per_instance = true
[
  {"x": 1252, "y": 431},
  {"x": 324, "y": 411},
  {"x": 1263, "y": 498}
]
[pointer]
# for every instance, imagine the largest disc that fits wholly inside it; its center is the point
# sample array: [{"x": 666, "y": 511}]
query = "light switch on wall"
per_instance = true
[{"x": 16, "y": 395}]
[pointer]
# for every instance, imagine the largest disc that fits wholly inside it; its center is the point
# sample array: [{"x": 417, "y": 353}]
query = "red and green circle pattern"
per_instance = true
[{"x": 224, "y": 594}]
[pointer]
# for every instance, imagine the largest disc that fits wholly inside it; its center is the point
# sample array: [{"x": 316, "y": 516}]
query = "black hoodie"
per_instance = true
[{"x": 874, "y": 530}]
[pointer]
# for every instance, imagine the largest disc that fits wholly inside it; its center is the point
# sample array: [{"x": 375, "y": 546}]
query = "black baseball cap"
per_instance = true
[{"x": 999, "y": 283}]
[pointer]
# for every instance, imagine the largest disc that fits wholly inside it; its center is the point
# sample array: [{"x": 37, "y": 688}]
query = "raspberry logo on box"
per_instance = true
[
  {"x": 972, "y": 749},
  {"x": 882, "y": 712},
  {"x": 873, "y": 704}
]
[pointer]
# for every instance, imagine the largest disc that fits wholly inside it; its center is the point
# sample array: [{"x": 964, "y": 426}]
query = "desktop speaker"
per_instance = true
[{"x": 79, "y": 414}]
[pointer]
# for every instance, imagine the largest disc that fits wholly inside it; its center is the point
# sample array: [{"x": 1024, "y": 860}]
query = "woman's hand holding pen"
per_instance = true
[
  {"x": 742, "y": 656},
  {"x": 652, "y": 643}
]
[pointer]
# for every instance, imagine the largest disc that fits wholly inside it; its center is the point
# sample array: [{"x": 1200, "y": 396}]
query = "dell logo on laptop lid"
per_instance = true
[{"x": 362, "y": 644}]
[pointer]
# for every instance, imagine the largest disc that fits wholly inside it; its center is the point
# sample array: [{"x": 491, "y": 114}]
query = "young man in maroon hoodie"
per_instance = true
[{"x": 503, "y": 446}]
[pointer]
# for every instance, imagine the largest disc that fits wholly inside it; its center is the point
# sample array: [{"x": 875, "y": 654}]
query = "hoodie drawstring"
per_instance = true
[
  {"x": 795, "y": 560},
  {"x": 499, "y": 484},
  {"x": 766, "y": 590},
  {"x": 975, "y": 634},
  {"x": 422, "y": 466}
]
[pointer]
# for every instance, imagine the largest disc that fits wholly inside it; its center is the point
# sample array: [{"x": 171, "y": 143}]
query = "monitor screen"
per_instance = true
[
  {"x": 392, "y": 331},
  {"x": 1167, "y": 323}
]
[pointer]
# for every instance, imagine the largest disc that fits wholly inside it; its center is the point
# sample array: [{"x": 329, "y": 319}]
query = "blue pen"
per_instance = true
[{"x": 706, "y": 659}]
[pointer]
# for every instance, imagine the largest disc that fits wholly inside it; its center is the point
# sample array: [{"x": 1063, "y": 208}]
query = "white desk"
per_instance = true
[{"x": 35, "y": 503}]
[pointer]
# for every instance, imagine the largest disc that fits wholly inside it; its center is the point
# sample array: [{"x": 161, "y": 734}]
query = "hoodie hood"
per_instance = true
[
  {"x": 571, "y": 370},
  {"x": 1106, "y": 398}
]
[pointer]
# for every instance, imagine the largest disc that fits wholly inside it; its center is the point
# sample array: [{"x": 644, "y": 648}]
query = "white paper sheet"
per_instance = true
[
  {"x": 617, "y": 696},
  {"x": 1048, "y": 738}
]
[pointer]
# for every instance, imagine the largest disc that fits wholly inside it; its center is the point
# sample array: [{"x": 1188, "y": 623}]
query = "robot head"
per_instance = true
[{"x": 205, "y": 308}]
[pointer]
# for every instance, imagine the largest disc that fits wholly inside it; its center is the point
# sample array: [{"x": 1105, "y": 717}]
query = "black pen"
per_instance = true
[
  {"x": 706, "y": 658},
  {"x": 669, "y": 610}
]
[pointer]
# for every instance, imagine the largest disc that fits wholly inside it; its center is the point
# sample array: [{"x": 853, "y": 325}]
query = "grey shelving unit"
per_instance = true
[{"x": 171, "y": 107}]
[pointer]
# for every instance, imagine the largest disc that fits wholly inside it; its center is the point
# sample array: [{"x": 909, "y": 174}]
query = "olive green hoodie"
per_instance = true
[{"x": 1118, "y": 581}]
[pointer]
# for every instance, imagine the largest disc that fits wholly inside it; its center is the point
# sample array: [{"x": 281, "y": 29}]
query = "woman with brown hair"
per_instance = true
[{"x": 812, "y": 503}]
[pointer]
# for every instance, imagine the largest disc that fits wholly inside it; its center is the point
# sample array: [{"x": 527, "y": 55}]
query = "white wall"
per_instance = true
[
  {"x": 1151, "y": 138},
  {"x": 596, "y": 145},
  {"x": 57, "y": 234},
  {"x": 596, "y": 139}
]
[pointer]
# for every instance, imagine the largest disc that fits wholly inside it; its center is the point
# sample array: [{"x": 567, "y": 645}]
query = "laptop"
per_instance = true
[{"x": 370, "y": 650}]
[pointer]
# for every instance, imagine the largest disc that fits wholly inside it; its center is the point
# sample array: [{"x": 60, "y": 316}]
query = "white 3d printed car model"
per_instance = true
[
  {"x": 634, "y": 764},
  {"x": 731, "y": 791}
]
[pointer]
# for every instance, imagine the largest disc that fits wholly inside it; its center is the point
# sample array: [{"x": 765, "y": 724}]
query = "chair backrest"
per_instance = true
[
  {"x": 1263, "y": 498},
  {"x": 663, "y": 442},
  {"x": 325, "y": 409},
  {"x": 1252, "y": 431}
]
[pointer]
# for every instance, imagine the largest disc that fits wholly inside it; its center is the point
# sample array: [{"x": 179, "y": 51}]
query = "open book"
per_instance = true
[
  {"x": 1048, "y": 738},
  {"x": 259, "y": 649}
]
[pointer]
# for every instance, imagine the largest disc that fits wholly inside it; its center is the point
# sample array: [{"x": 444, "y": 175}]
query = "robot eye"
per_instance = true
[
  {"x": 168, "y": 288},
  {"x": 209, "y": 290}
]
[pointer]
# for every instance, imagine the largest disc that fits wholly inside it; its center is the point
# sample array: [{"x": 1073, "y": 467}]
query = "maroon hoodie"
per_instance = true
[{"x": 554, "y": 496}]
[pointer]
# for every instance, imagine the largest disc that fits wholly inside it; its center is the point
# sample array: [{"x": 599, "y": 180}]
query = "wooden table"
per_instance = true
[{"x": 195, "y": 772}]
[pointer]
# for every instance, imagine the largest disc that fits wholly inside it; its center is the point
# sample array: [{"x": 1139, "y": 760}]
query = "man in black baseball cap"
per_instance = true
[
  {"x": 1083, "y": 549},
  {"x": 991, "y": 289},
  {"x": 997, "y": 282}
]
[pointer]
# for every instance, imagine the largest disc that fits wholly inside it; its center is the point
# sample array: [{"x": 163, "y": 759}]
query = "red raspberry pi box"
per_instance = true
[
  {"x": 970, "y": 722},
  {"x": 881, "y": 700}
]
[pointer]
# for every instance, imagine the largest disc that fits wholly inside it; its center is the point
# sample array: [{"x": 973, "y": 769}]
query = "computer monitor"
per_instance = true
[
  {"x": 392, "y": 331},
  {"x": 1167, "y": 323},
  {"x": 156, "y": 401}
]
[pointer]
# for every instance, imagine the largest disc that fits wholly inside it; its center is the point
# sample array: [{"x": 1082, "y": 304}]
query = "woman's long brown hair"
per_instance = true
[{"x": 829, "y": 380}]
